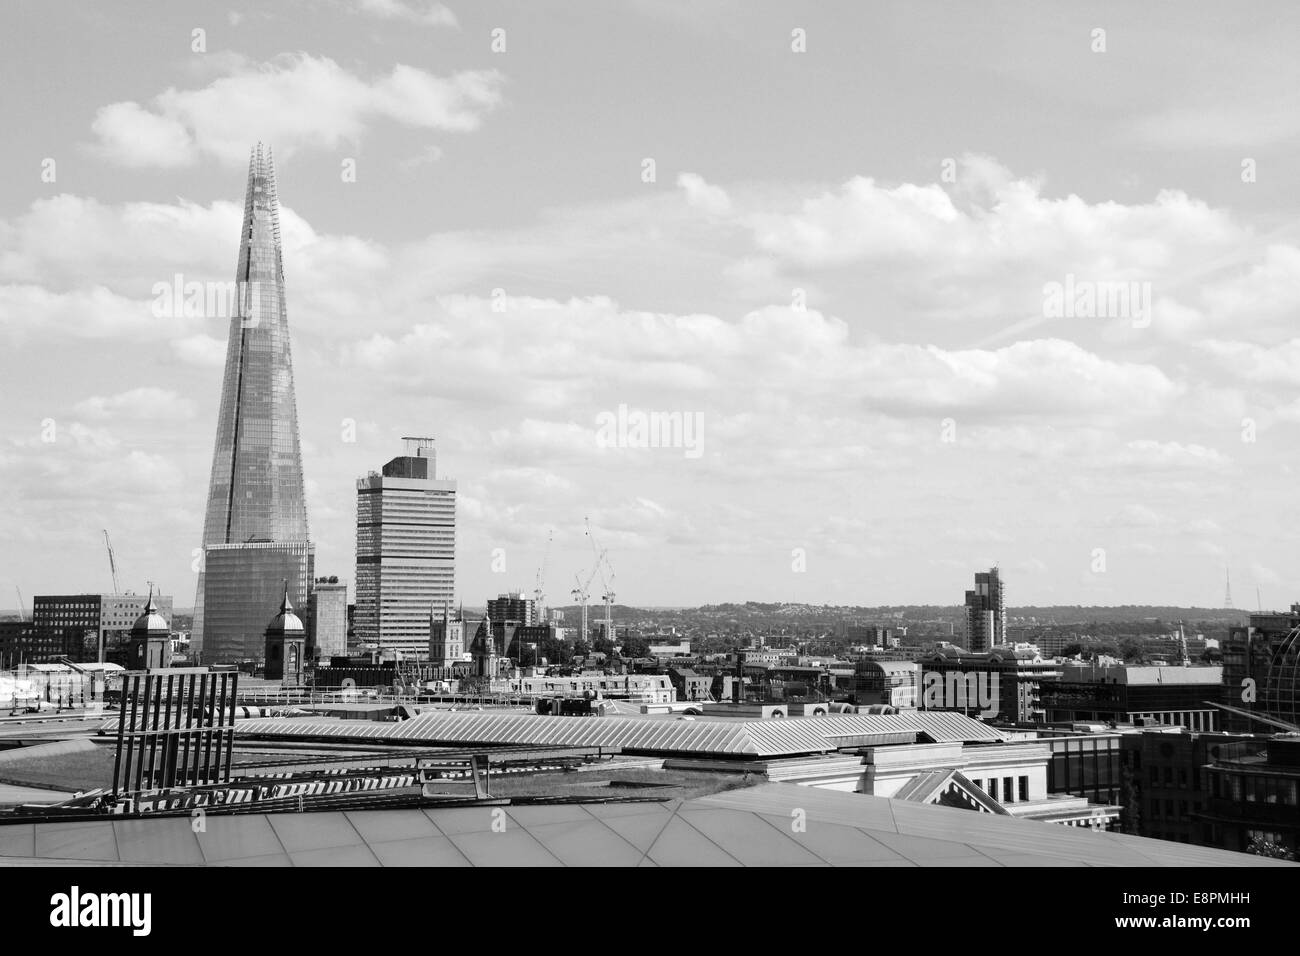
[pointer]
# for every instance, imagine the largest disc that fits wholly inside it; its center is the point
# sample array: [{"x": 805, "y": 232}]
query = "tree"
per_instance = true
[
  {"x": 1069, "y": 650},
  {"x": 1132, "y": 649},
  {"x": 636, "y": 647},
  {"x": 1261, "y": 847}
]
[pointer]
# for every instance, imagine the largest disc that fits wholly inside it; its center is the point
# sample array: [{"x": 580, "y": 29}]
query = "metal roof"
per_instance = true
[
  {"x": 751, "y": 738},
  {"x": 747, "y": 827}
]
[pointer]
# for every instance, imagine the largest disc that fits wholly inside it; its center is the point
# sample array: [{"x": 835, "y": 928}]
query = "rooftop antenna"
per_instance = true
[{"x": 1227, "y": 589}]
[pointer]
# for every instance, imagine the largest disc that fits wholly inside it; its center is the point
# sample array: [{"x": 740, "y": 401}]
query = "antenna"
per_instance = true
[{"x": 1227, "y": 589}]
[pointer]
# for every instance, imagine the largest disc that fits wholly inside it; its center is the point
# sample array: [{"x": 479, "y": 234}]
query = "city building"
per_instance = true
[
  {"x": 1166, "y": 789},
  {"x": 328, "y": 619},
  {"x": 406, "y": 549},
  {"x": 1260, "y": 669},
  {"x": 688, "y": 684},
  {"x": 513, "y": 607},
  {"x": 986, "y": 612},
  {"x": 1252, "y": 800},
  {"x": 642, "y": 688},
  {"x": 256, "y": 517},
  {"x": 1003, "y": 684},
  {"x": 104, "y": 621},
  {"x": 1133, "y": 693},
  {"x": 242, "y": 581},
  {"x": 891, "y": 683},
  {"x": 446, "y": 637},
  {"x": 22, "y": 642}
]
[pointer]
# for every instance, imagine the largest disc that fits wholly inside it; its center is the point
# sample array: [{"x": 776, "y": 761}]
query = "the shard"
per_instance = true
[{"x": 255, "y": 534}]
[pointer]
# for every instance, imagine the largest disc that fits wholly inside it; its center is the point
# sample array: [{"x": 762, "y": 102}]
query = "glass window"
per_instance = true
[
  {"x": 1024, "y": 788},
  {"x": 1008, "y": 788}
]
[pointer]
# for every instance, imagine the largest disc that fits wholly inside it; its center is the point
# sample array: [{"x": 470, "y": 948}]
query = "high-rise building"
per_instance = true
[
  {"x": 328, "y": 619},
  {"x": 986, "y": 612},
  {"x": 406, "y": 549},
  {"x": 513, "y": 606},
  {"x": 256, "y": 520}
]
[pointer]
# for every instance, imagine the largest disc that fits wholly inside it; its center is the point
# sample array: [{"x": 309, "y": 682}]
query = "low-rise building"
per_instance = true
[{"x": 1133, "y": 693}]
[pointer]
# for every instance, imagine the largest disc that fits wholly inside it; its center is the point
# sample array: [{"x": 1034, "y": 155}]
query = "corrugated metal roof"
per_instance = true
[{"x": 752, "y": 738}]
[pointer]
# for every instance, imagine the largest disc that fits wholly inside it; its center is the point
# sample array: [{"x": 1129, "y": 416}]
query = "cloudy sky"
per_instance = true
[{"x": 827, "y": 232}]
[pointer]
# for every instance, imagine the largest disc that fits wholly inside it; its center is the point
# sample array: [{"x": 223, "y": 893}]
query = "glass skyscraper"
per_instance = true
[{"x": 255, "y": 533}]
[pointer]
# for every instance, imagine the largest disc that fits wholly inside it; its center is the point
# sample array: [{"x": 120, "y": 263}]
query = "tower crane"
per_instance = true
[
  {"x": 539, "y": 593},
  {"x": 580, "y": 595},
  {"x": 607, "y": 583},
  {"x": 112, "y": 562},
  {"x": 20, "y": 603}
]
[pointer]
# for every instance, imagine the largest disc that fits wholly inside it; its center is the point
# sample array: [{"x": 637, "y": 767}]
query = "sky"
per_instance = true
[{"x": 936, "y": 287}]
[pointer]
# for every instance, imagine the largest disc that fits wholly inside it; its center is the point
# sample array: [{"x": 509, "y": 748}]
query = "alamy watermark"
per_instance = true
[
  {"x": 633, "y": 428},
  {"x": 961, "y": 690},
  {"x": 1090, "y": 299},
  {"x": 203, "y": 300}
]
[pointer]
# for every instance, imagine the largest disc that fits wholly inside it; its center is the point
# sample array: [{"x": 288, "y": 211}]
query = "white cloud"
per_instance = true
[
  {"x": 699, "y": 194},
  {"x": 147, "y": 402},
  {"x": 294, "y": 101},
  {"x": 425, "y": 13}
]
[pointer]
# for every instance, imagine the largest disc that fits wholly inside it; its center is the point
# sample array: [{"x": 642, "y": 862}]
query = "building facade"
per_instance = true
[
  {"x": 986, "y": 612},
  {"x": 1253, "y": 796},
  {"x": 328, "y": 620},
  {"x": 104, "y": 621},
  {"x": 240, "y": 582},
  {"x": 406, "y": 550},
  {"x": 256, "y": 495},
  {"x": 1133, "y": 693},
  {"x": 512, "y": 607}
]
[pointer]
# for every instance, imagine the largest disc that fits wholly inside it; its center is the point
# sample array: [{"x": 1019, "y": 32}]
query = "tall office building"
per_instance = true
[
  {"x": 513, "y": 607},
  {"x": 255, "y": 534},
  {"x": 406, "y": 550},
  {"x": 986, "y": 612}
]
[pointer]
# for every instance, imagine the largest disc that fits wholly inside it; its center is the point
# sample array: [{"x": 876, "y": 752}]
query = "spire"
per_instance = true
[
  {"x": 150, "y": 607},
  {"x": 285, "y": 606}
]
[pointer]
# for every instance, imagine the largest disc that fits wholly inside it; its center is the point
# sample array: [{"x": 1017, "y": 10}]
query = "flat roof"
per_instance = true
[{"x": 746, "y": 827}]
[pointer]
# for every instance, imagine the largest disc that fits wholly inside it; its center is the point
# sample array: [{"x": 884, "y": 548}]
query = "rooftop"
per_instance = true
[
  {"x": 748, "y": 827},
  {"x": 719, "y": 738}
]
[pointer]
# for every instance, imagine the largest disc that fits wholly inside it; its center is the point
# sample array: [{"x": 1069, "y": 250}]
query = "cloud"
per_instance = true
[
  {"x": 700, "y": 195},
  {"x": 294, "y": 101},
  {"x": 146, "y": 402},
  {"x": 425, "y": 13}
]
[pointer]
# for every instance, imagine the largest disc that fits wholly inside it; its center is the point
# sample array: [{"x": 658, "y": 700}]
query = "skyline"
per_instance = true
[{"x": 855, "y": 266}]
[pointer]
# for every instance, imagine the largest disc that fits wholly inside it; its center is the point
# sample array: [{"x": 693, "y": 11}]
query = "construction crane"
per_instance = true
[
  {"x": 20, "y": 603},
  {"x": 539, "y": 586},
  {"x": 607, "y": 583},
  {"x": 580, "y": 595},
  {"x": 1182, "y": 646},
  {"x": 112, "y": 562}
]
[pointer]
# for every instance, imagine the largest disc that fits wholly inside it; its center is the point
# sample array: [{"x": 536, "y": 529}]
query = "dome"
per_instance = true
[
  {"x": 286, "y": 622},
  {"x": 150, "y": 622}
]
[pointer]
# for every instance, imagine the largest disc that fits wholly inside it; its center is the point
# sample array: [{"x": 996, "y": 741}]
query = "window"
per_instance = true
[
  {"x": 993, "y": 787},
  {"x": 1008, "y": 788},
  {"x": 1024, "y": 789}
]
